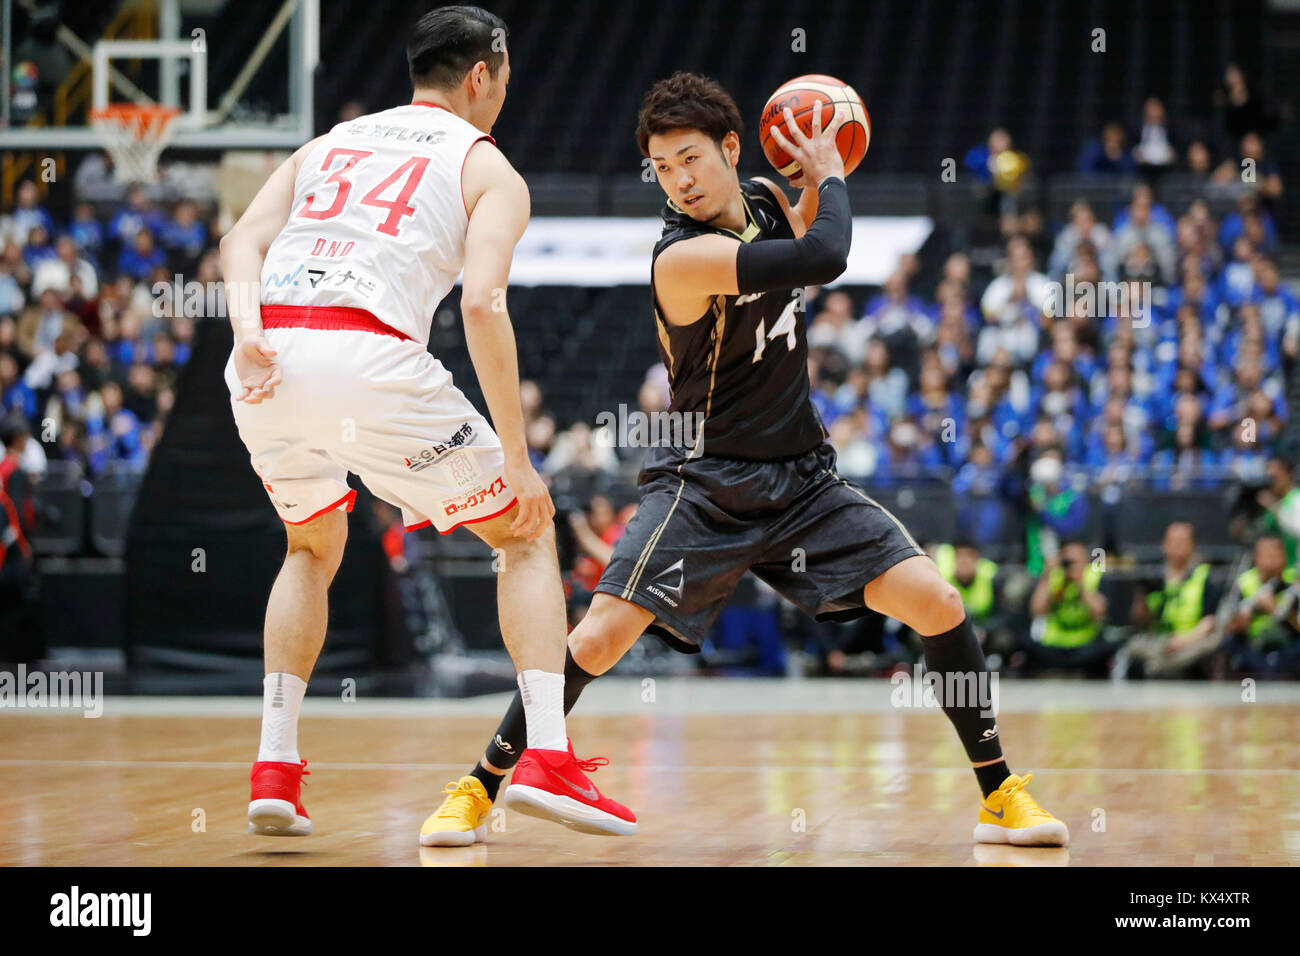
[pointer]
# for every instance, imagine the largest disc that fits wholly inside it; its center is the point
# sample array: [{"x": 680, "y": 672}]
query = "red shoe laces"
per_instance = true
[{"x": 589, "y": 766}]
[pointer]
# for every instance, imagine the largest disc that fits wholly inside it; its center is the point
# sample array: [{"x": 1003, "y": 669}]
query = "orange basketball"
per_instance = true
[{"x": 803, "y": 95}]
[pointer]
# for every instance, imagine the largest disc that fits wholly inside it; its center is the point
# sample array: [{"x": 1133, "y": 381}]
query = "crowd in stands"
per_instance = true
[
  {"x": 1146, "y": 346},
  {"x": 89, "y": 356}
]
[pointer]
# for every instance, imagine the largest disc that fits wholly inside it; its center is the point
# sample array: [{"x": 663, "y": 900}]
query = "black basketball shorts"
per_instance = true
[{"x": 800, "y": 527}]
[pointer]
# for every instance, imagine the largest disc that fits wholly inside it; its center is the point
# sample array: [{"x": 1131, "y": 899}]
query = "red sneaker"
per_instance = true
[
  {"x": 551, "y": 784},
  {"x": 275, "y": 809}
]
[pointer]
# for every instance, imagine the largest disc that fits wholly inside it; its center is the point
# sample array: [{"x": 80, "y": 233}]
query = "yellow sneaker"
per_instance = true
[
  {"x": 1010, "y": 815},
  {"x": 462, "y": 818}
]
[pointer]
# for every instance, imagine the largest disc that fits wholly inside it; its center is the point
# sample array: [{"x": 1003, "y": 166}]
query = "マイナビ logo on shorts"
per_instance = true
[{"x": 669, "y": 581}]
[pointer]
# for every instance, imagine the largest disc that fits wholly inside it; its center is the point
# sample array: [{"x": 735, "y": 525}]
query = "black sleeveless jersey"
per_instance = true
[{"x": 742, "y": 367}]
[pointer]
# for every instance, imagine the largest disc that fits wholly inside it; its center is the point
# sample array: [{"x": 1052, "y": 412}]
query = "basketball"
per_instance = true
[{"x": 803, "y": 95}]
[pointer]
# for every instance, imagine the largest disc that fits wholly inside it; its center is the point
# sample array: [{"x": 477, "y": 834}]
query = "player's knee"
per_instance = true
[
  {"x": 593, "y": 647},
  {"x": 520, "y": 551},
  {"x": 589, "y": 648},
  {"x": 946, "y": 608},
  {"x": 322, "y": 540},
  {"x": 599, "y": 641}
]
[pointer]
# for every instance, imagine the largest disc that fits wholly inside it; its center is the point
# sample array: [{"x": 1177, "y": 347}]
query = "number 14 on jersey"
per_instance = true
[{"x": 784, "y": 326}]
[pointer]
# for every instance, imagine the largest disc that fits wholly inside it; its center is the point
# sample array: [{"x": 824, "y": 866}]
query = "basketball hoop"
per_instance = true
[{"x": 135, "y": 136}]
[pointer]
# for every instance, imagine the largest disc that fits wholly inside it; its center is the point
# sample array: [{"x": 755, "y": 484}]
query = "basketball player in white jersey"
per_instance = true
[{"x": 351, "y": 245}]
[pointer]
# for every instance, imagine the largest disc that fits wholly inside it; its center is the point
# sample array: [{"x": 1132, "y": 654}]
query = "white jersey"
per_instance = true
[{"x": 378, "y": 220}]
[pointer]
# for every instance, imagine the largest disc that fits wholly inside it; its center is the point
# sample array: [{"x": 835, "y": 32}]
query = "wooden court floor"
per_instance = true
[{"x": 738, "y": 773}]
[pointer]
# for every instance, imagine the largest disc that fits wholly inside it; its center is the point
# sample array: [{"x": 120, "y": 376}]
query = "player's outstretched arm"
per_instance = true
[
  {"x": 243, "y": 250},
  {"x": 497, "y": 198}
]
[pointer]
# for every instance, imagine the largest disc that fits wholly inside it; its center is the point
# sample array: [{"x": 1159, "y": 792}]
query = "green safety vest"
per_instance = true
[
  {"x": 1248, "y": 584},
  {"x": 1071, "y": 622},
  {"x": 1179, "y": 607},
  {"x": 978, "y": 596},
  {"x": 1272, "y": 524}
]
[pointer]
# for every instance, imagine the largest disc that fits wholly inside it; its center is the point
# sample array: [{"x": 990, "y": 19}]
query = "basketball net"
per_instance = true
[{"x": 135, "y": 136}]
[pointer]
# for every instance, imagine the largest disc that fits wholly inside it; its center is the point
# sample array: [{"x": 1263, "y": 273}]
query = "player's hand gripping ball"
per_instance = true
[{"x": 803, "y": 96}]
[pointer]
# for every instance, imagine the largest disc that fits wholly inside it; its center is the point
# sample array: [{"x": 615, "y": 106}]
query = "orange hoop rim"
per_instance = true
[
  {"x": 141, "y": 117},
  {"x": 134, "y": 109}
]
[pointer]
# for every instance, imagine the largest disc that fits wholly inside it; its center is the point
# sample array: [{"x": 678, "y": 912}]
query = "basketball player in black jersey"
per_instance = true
[{"x": 756, "y": 490}]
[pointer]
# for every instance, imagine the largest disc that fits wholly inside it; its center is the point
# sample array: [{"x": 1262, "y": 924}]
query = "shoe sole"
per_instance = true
[
  {"x": 1045, "y": 834},
  {"x": 455, "y": 837},
  {"x": 267, "y": 817},
  {"x": 535, "y": 802}
]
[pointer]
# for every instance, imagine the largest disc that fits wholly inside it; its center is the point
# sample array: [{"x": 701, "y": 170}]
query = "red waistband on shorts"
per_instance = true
[{"x": 332, "y": 318}]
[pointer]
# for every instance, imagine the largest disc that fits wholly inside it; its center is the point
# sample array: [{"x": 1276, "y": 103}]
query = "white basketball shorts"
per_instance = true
[{"x": 358, "y": 397}]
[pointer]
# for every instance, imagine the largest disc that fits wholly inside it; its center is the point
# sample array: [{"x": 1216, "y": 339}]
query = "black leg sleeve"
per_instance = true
[{"x": 962, "y": 684}]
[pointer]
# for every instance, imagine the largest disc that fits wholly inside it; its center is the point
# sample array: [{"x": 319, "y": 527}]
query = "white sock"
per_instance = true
[
  {"x": 543, "y": 695},
  {"x": 281, "y": 701}
]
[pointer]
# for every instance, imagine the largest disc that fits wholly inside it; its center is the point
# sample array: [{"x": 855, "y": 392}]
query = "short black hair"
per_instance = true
[
  {"x": 13, "y": 427},
  {"x": 687, "y": 101},
  {"x": 448, "y": 41}
]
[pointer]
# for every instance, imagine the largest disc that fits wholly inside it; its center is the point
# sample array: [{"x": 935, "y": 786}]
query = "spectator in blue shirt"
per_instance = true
[
  {"x": 118, "y": 437},
  {"x": 28, "y": 213},
  {"x": 1228, "y": 406},
  {"x": 1143, "y": 200},
  {"x": 141, "y": 256},
  {"x": 1065, "y": 348},
  {"x": 981, "y": 510},
  {"x": 1106, "y": 154},
  {"x": 1187, "y": 465},
  {"x": 1252, "y": 162},
  {"x": 183, "y": 236},
  {"x": 1127, "y": 415},
  {"x": 138, "y": 214},
  {"x": 896, "y": 311},
  {"x": 982, "y": 159},
  {"x": 1234, "y": 224},
  {"x": 908, "y": 454},
  {"x": 1248, "y": 329},
  {"x": 15, "y": 394},
  {"x": 1162, "y": 407},
  {"x": 38, "y": 248},
  {"x": 1195, "y": 250},
  {"x": 1278, "y": 305},
  {"x": 12, "y": 299},
  {"x": 182, "y": 334},
  {"x": 1248, "y": 456},
  {"x": 1083, "y": 227},
  {"x": 87, "y": 232},
  {"x": 1237, "y": 280},
  {"x": 1117, "y": 461},
  {"x": 1194, "y": 292},
  {"x": 937, "y": 409},
  {"x": 887, "y": 385}
]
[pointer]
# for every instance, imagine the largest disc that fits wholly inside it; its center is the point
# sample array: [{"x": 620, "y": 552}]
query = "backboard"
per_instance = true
[{"x": 240, "y": 72}]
